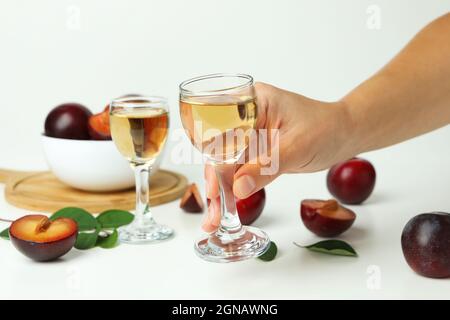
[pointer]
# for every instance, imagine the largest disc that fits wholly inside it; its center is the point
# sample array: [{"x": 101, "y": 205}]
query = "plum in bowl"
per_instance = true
[{"x": 80, "y": 153}]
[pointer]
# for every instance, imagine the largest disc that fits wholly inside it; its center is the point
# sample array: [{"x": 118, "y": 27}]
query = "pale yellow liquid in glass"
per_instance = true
[{"x": 139, "y": 133}]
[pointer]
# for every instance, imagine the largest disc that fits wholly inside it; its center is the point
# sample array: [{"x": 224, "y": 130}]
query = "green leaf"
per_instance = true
[
  {"x": 334, "y": 247},
  {"x": 114, "y": 218},
  {"x": 5, "y": 234},
  {"x": 270, "y": 254},
  {"x": 83, "y": 218},
  {"x": 109, "y": 241},
  {"x": 87, "y": 239}
]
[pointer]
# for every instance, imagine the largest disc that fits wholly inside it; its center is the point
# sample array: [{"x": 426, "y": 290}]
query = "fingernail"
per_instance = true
[{"x": 244, "y": 186}]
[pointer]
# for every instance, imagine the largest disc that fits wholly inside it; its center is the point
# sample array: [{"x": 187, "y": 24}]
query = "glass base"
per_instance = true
[
  {"x": 222, "y": 247},
  {"x": 134, "y": 234}
]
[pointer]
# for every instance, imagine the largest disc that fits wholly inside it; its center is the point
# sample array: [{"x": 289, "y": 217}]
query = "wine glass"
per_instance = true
[
  {"x": 219, "y": 114},
  {"x": 139, "y": 127}
]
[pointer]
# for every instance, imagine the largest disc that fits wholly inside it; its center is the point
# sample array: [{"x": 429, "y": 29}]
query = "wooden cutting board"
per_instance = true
[{"x": 42, "y": 191}]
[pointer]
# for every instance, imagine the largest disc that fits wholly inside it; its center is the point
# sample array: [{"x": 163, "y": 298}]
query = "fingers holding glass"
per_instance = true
[{"x": 219, "y": 113}]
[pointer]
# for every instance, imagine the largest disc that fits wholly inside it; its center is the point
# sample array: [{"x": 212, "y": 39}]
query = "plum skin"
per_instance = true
[
  {"x": 250, "y": 209},
  {"x": 68, "y": 121},
  {"x": 352, "y": 181},
  {"x": 44, "y": 251},
  {"x": 191, "y": 201},
  {"x": 323, "y": 226},
  {"x": 426, "y": 244}
]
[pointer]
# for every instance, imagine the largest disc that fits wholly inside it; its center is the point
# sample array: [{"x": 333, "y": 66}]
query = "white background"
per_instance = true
[{"x": 321, "y": 49}]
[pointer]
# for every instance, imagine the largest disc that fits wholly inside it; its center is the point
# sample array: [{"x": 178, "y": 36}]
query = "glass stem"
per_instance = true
[
  {"x": 142, "y": 215},
  {"x": 229, "y": 223}
]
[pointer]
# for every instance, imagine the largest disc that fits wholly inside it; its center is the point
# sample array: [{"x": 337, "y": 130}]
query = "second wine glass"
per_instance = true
[
  {"x": 139, "y": 128},
  {"x": 219, "y": 114}
]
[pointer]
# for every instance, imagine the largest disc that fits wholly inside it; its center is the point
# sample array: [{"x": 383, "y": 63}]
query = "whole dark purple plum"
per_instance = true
[
  {"x": 426, "y": 244},
  {"x": 68, "y": 121}
]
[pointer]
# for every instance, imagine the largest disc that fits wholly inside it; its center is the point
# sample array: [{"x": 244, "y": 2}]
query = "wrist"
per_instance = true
[{"x": 347, "y": 131}]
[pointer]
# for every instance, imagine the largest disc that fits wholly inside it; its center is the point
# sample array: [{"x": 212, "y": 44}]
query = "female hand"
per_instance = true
[{"x": 312, "y": 136}]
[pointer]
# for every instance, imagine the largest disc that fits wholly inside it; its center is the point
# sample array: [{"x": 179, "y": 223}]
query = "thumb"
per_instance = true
[{"x": 251, "y": 178}]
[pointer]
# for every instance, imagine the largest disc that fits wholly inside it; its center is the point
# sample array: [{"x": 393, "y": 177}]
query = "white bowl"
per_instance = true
[{"x": 89, "y": 165}]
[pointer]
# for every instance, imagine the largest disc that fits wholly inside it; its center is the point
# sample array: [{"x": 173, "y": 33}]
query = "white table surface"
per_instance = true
[{"x": 413, "y": 177}]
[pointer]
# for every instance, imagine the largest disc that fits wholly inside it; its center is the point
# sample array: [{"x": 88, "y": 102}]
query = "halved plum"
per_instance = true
[
  {"x": 42, "y": 239},
  {"x": 326, "y": 218},
  {"x": 192, "y": 201},
  {"x": 98, "y": 124}
]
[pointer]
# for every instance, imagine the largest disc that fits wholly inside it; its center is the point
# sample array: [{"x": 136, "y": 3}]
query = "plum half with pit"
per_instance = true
[
  {"x": 42, "y": 239},
  {"x": 326, "y": 218},
  {"x": 426, "y": 244},
  {"x": 98, "y": 125},
  {"x": 68, "y": 121},
  {"x": 352, "y": 181}
]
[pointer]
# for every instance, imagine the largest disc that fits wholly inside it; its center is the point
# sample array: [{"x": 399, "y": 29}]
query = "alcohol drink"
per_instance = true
[
  {"x": 139, "y": 128},
  {"x": 220, "y": 126},
  {"x": 139, "y": 134},
  {"x": 219, "y": 115}
]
